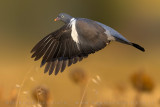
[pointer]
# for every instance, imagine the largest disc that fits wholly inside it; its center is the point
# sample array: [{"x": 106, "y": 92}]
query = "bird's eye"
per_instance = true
[{"x": 62, "y": 16}]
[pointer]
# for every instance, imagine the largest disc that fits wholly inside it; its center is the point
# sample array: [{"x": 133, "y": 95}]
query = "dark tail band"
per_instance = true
[{"x": 138, "y": 47}]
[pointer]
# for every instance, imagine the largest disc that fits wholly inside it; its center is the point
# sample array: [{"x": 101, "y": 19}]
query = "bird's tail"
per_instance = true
[
  {"x": 130, "y": 43},
  {"x": 138, "y": 47},
  {"x": 121, "y": 39}
]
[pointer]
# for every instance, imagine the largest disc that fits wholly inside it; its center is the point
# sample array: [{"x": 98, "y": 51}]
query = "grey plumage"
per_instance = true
[
  {"x": 73, "y": 42},
  {"x": 119, "y": 37}
]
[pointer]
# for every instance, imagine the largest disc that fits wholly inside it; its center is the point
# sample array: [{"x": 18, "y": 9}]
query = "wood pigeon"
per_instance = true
[{"x": 74, "y": 41}]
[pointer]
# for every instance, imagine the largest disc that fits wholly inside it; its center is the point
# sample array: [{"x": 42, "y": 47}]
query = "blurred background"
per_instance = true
[{"x": 116, "y": 76}]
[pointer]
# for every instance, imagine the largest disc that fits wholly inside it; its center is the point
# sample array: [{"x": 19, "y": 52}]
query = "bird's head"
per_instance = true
[{"x": 64, "y": 17}]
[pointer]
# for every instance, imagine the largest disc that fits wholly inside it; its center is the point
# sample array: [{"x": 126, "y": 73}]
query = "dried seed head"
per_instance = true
[
  {"x": 78, "y": 76},
  {"x": 142, "y": 82},
  {"x": 42, "y": 95}
]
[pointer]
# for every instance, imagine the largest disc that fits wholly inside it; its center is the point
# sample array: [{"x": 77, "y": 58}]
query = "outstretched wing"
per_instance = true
[{"x": 59, "y": 49}]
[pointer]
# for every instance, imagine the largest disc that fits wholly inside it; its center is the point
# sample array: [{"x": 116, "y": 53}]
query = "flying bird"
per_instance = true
[{"x": 74, "y": 41}]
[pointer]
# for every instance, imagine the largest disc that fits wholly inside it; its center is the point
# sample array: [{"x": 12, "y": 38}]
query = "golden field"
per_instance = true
[{"x": 117, "y": 76}]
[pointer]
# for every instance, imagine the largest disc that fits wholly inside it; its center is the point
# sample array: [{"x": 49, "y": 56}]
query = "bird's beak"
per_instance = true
[{"x": 56, "y": 19}]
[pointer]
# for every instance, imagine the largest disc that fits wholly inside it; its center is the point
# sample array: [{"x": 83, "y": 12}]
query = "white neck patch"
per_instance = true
[
  {"x": 72, "y": 20},
  {"x": 74, "y": 33}
]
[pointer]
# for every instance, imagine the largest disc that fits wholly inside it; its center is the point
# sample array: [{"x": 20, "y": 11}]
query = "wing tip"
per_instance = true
[
  {"x": 32, "y": 51},
  {"x": 43, "y": 62}
]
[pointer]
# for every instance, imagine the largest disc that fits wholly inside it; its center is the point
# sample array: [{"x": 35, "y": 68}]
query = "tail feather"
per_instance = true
[{"x": 138, "y": 47}]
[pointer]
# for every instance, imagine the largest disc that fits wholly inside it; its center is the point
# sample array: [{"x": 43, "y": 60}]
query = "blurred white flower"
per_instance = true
[
  {"x": 17, "y": 85},
  {"x": 94, "y": 81},
  {"x": 98, "y": 77},
  {"x": 32, "y": 79},
  {"x": 25, "y": 92}
]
